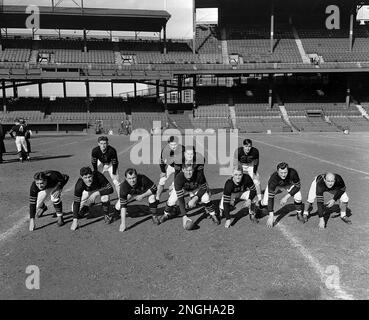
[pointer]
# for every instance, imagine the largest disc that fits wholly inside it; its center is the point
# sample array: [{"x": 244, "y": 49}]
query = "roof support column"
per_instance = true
[
  {"x": 84, "y": 41},
  {"x": 157, "y": 91},
  {"x": 194, "y": 27},
  {"x": 351, "y": 31},
  {"x": 1, "y": 40},
  {"x": 15, "y": 89},
  {"x": 270, "y": 91},
  {"x": 165, "y": 97},
  {"x": 135, "y": 89},
  {"x": 87, "y": 83},
  {"x": 272, "y": 27},
  {"x": 40, "y": 90},
  {"x": 180, "y": 88},
  {"x": 165, "y": 38},
  {"x": 112, "y": 88},
  {"x": 194, "y": 84},
  {"x": 348, "y": 91},
  {"x": 64, "y": 89},
  {"x": 4, "y": 95}
]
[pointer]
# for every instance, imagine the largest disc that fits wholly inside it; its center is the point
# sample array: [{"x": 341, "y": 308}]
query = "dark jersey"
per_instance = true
[
  {"x": 292, "y": 180},
  {"x": 110, "y": 156},
  {"x": 142, "y": 185},
  {"x": 170, "y": 158},
  {"x": 198, "y": 162},
  {"x": 338, "y": 187},
  {"x": 19, "y": 130},
  {"x": 99, "y": 183},
  {"x": 252, "y": 158},
  {"x": 182, "y": 185},
  {"x": 54, "y": 179},
  {"x": 230, "y": 187}
]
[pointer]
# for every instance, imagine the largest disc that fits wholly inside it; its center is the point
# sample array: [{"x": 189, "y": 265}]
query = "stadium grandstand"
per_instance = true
[{"x": 267, "y": 66}]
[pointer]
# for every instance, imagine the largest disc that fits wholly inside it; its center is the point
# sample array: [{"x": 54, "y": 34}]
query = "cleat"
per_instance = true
[
  {"x": 41, "y": 211},
  {"x": 155, "y": 219},
  {"x": 345, "y": 219},
  {"x": 108, "y": 219},
  {"x": 215, "y": 219},
  {"x": 83, "y": 212},
  {"x": 28, "y": 158},
  {"x": 21, "y": 160},
  {"x": 302, "y": 217},
  {"x": 163, "y": 218},
  {"x": 31, "y": 224},
  {"x": 187, "y": 223},
  {"x": 60, "y": 221},
  {"x": 253, "y": 217},
  {"x": 228, "y": 223},
  {"x": 74, "y": 225}
]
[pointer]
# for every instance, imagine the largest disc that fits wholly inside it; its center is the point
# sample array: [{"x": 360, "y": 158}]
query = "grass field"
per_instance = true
[{"x": 247, "y": 261}]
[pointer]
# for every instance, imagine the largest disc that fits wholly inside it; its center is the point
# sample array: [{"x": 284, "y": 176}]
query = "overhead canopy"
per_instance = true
[{"x": 90, "y": 18}]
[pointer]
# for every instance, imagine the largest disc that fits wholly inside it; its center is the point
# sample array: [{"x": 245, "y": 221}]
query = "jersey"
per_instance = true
[
  {"x": 250, "y": 159},
  {"x": 54, "y": 179},
  {"x": 198, "y": 162},
  {"x": 170, "y": 158},
  {"x": 109, "y": 156},
  {"x": 99, "y": 183},
  {"x": 19, "y": 130},
  {"x": 292, "y": 179},
  {"x": 182, "y": 185},
  {"x": 142, "y": 185},
  {"x": 230, "y": 187},
  {"x": 338, "y": 186}
]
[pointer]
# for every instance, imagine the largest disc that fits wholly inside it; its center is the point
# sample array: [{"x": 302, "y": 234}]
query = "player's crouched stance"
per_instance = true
[
  {"x": 192, "y": 183},
  {"x": 284, "y": 178},
  {"x": 334, "y": 184},
  {"x": 136, "y": 187},
  {"x": 238, "y": 188},
  {"x": 91, "y": 188},
  {"x": 47, "y": 183}
]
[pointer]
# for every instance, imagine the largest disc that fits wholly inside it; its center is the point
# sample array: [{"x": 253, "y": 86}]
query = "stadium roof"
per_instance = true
[{"x": 90, "y": 19}]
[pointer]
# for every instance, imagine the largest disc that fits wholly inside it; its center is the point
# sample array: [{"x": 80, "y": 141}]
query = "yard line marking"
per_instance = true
[
  {"x": 312, "y": 157},
  {"x": 19, "y": 224},
  {"x": 325, "y": 142},
  {"x": 338, "y": 291}
]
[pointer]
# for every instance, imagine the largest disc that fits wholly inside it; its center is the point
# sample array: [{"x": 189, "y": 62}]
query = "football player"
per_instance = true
[
  {"x": 192, "y": 183},
  {"x": 136, "y": 187},
  {"x": 247, "y": 156},
  {"x": 91, "y": 188},
  {"x": 285, "y": 178},
  {"x": 334, "y": 184},
  {"x": 104, "y": 158},
  {"x": 45, "y": 184},
  {"x": 241, "y": 188}
]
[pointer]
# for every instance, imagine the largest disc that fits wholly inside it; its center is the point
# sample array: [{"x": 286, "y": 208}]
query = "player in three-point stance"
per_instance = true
[
  {"x": 91, "y": 188},
  {"x": 46, "y": 183},
  {"x": 172, "y": 153},
  {"x": 285, "y": 178},
  {"x": 241, "y": 188},
  {"x": 192, "y": 183},
  {"x": 334, "y": 184},
  {"x": 136, "y": 187},
  {"x": 247, "y": 156},
  {"x": 104, "y": 158}
]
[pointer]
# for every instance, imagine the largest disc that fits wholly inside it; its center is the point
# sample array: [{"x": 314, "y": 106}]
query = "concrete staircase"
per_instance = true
[
  {"x": 232, "y": 115},
  {"x": 286, "y": 118},
  {"x": 363, "y": 112},
  {"x": 304, "y": 57}
]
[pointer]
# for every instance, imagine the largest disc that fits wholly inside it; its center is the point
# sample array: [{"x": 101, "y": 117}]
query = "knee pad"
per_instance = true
[
  {"x": 152, "y": 199},
  {"x": 162, "y": 181},
  {"x": 104, "y": 199},
  {"x": 297, "y": 197},
  {"x": 205, "y": 198}
]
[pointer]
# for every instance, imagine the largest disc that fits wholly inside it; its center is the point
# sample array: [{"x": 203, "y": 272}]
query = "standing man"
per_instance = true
[
  {"x": 247, "y": 156},
  {"x": 241, "y": 188},
  {"x": 18, "y": 133},
  {"x": 2, "y": 146},
  {"x": 334, "y": 184},
  {"x": 136, "y": 187},
  {"x": 91, "y": 188},
  {"x": 27, "y": 136},
  {"x": 45, "y": 184},
  {"x": 105, "y": 158},
  {"x": 192, "y": 183},
  {"x": 172, "y": 153},
  {"x": 285, "y": 178}
]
